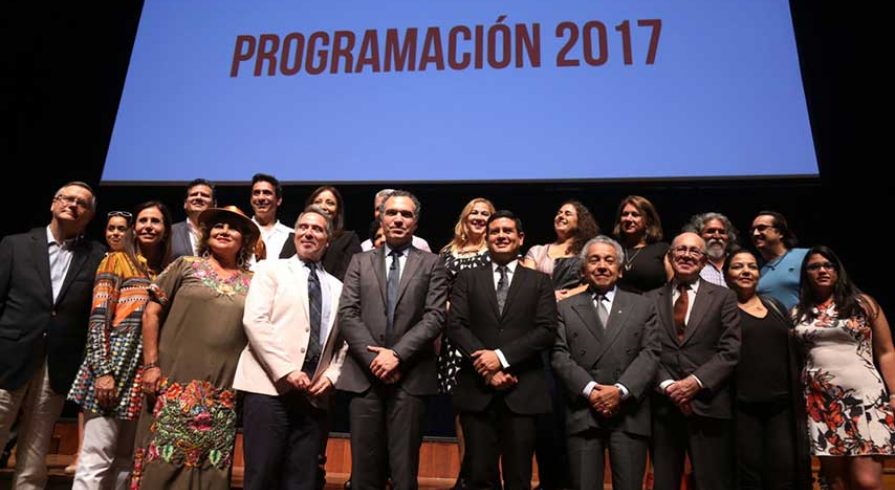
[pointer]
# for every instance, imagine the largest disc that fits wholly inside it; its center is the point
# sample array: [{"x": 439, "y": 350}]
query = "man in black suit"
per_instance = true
[
  {"x": 502, "y": 317},
  {"x": 700, "y": 335},
  {"x": 185, "y": 235},
  {"x": 390, "y": 312},
  {"x": 46, "y": 282},
  {"x": 606, "y": 354}
]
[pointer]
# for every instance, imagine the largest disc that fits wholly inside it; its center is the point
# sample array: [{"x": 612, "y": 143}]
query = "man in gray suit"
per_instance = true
[
  {"x": 700, "y": 334},
  {"x": 391, "y": 310},
  {"x": 606, "y": 354},
  {"x": 185, "y": 235}
]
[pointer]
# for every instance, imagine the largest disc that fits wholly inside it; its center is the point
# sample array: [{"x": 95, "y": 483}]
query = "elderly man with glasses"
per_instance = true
[
  {"x": 699, "y": 331},
  {"x": 46, "y": 281}
]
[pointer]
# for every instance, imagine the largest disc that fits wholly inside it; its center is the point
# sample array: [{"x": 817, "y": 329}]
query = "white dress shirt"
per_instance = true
[{"x": 60, "y": 254}]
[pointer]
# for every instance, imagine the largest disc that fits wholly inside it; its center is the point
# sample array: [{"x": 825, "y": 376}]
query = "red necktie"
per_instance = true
[{"x": 680, "y": 311}]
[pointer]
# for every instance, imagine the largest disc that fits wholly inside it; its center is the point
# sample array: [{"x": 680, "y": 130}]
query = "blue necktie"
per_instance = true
[
  {"x": 394, "y": 276},
  {"x": 315, "y": 309}
]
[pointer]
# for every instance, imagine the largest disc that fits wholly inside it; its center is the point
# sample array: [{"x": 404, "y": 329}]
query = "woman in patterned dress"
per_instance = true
[
  {"x": 851, "y": 411},
  {"x": 468, "y": 249},
  {"x": 107, "y": 386},
  {"x": 192, "y": 337}
]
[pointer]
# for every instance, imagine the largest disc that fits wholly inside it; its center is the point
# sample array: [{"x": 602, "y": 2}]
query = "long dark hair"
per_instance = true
[
  {"x": 587, "y": 226},
  {"x": 650, "y": 215},
  {"x": 130, "y": 242},
  {"x": 848, "y": 298},
  {"x": 339, "y": 217}
]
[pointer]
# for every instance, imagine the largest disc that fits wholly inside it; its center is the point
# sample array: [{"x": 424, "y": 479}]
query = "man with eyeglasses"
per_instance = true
[
  {"x": 720, "y": 240},
  {"x": 185, "y": 235},
  {"x": 700, "y": 335},
  {"x": 780, "y": 273},
  {"x": 46, "y": 282}
]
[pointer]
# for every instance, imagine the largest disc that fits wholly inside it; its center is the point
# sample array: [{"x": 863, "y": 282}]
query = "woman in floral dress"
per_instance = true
[
  {"x": 851, "y": 411},
  {"x": 187, "y": 439}
]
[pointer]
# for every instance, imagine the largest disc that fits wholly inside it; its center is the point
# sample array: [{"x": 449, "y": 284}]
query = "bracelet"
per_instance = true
[{"x": 150, "y": 365}]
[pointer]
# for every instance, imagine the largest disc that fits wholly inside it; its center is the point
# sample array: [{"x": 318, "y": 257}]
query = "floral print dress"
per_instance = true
[
  {"x": 187, "y": 439},
  {"x": 847, "y": 403}
]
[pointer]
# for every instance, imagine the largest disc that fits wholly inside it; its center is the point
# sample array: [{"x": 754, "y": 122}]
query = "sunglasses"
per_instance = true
[{"x": 120, "y": 214}]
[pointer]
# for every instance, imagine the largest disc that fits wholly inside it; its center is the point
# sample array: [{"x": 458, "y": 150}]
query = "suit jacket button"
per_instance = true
[
  {"x": 302, "y": 350},
  {"x": 53, "y": 313},
  {"x": 307, "y": 329},
  {"x": 582, "y": 352},
  {"x": 382, "y": 338}
]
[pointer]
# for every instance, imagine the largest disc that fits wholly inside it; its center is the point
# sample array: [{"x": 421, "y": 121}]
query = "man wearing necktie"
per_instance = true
[
  {"x": 293, "y": 359},
  {"x": 605, "y": 355},
  {"x": 700, "y": 336},
  {"x": 391, "y": 311},
  {"x": 46, "y": 286},
  {"x": 502, "y": 317}
]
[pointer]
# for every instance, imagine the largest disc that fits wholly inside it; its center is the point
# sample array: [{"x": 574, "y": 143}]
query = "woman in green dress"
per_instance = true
[{"x": 192, "y": 338}]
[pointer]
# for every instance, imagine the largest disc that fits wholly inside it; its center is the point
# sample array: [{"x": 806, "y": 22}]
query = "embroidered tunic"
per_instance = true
[
  {"x": 115, "y": 338},
  {"x": 187, "y": 441}
]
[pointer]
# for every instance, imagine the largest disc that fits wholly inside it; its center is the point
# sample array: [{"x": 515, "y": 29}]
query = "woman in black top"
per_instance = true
[
  {"x": 772, "y": 450},
  {"x": 639, "y": 230},
  {"x": 343, "y": 243}
]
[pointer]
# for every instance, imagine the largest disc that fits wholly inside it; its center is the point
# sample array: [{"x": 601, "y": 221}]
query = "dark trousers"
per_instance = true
[
  {"x": 627, "y": 458},
  {"x": 282, "y": 437},
  {"x": 550, "y": 442},
  {"x": 766, "y": 455},
  {"x": 497, "y": 434},
  {"x": 386, "y": 433},
  {"x": 708, "y": 441}
]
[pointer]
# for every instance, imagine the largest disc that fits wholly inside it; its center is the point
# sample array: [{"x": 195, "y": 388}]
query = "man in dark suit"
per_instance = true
[
  {"x": 390, "y": 312},
  {"x": 502, "y": 317},
  {"x": 185, "y": 235},
  {"x": 700, "y": 335},
  {"x": 46, "y": 282},
  {"x": 606, "y": 354}
]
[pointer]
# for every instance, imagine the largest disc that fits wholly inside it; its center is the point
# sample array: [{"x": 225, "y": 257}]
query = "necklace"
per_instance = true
[{"x": 629, "y": 261}]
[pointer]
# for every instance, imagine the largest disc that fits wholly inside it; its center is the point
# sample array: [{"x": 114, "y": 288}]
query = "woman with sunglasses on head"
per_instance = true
[
  {"x": 107, "y": 386},
  {"x": 850, "y": 403},
  {"x": 769, "y": 410},
  {"x": 117, "y": 224}
]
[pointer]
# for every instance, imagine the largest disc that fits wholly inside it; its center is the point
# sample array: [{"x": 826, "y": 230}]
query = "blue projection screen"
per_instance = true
[{"x": 461, "y": 90}]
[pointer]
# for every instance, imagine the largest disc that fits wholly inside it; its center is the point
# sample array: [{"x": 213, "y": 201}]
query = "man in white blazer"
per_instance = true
[{"x": 292, "y": 361}]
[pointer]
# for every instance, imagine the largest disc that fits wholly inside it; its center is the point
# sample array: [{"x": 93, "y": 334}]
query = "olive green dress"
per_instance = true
[{"x": 187, "y": 440}]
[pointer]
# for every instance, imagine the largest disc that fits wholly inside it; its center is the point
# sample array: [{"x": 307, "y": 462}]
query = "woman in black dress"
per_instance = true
[{"x": 639, "y": 230}]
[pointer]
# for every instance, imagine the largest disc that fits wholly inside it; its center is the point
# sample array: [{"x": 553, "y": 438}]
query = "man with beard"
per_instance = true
[
  {"x": 780, "y": 272},
  {"x": 720, "y": 240}
]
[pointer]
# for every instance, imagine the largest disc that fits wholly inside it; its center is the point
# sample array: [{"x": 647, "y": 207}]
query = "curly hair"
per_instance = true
[{"x": 587, "y": 227}]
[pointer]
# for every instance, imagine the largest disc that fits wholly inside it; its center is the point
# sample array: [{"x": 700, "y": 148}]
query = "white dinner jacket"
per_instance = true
[{"x": 277, "y": 325}]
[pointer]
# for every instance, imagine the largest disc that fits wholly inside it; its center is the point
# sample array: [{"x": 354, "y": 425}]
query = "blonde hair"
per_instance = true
[{"x": 461, "y": 237}]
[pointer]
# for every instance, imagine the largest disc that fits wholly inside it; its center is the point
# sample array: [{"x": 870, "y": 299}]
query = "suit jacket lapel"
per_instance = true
[
  {"x": 41, "y": 257},
  {"x": 79, "y": 256},
  {"x": 616, "y": 322},
  {"x": 486, "y": 278},
  {"x": 584, "y": 308},
  {"x": 700, "y": 307},
  {"x": 378, "y": 265},
  {"x": 515, "y": 285},
  {"x": 301, "y": 286},
  {"x": 410, "y": 267}
]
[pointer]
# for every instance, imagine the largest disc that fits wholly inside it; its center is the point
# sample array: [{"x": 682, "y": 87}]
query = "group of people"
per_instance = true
[{"x": 622, "y": 344}]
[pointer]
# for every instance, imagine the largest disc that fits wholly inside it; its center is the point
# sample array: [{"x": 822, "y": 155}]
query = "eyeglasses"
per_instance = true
[
  {"x": 69, "y": 200},
  {"x": 820, "y": 265},
  {"x": 120, "y": 214},
  {"x": 692, "y": 251}
]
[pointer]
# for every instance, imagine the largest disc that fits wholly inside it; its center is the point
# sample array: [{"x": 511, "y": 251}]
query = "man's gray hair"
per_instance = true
[
  {"x": 83, "y": 185},
  {"x": 698, "y": 221},
  {"x": 399, "y": 193},
  {"x": 382, "y": 193},
  {"x": 313, "y": 208},
  {"x": 619, "y": 250}
]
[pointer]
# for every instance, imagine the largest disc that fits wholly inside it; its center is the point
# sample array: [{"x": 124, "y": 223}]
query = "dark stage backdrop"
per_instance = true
[{"x": 63, "y": 69}]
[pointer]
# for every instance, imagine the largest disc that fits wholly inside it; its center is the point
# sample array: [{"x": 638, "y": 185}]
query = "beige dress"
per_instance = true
[{"x": 187, "y": 440}]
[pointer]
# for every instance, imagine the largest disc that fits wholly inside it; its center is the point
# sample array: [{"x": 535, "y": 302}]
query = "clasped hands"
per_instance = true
[
  {"x": 385, "y": 365},
  {"x": 605, "y": 399},
  {"x": 299, "y": 380},
  {"x": 681, "y": 393},
  {"x": 487, "y": 364}
]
